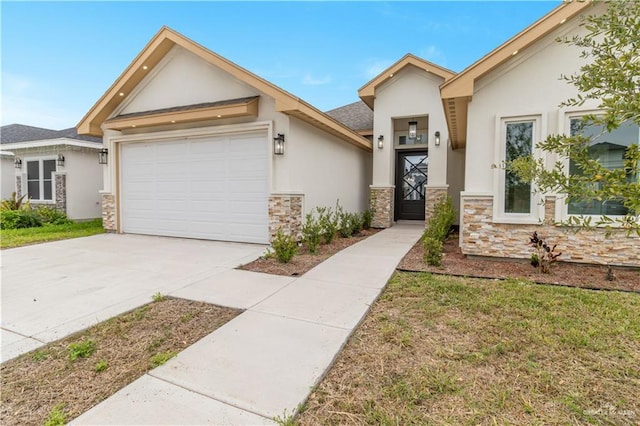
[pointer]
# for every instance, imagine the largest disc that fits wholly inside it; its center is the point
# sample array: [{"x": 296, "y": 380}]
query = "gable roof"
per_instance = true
[
  {"x": 457, "y": 92},
  {"x": 357, "y": 116},
  {"x": 367, "y": 92},
  {"x": 160, "y": 45},
  {"x": 16, "y": 133}
]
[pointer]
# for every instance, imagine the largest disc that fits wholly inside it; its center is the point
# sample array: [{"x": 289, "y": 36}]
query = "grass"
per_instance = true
[
  {"x": 21, "y": 237},
  {"x": 54, "y": 384},
  {"x": 442, "y": 350}
]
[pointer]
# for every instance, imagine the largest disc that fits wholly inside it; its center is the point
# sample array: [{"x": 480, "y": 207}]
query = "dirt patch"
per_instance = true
[
  {"x": 126, "y": 347},
  {"x": 562, "y": 273},
  {"x": 304, "y": 261}
]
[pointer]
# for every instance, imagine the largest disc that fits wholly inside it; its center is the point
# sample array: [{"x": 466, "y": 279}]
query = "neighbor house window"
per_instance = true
[
  {"x": 518, "y": 142},
  {"x": 609, "y": 149},
  {"x": 40, "y": 179}
]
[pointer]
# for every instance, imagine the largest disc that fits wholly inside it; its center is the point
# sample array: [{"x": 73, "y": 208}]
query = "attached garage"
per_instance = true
[{"x": 213, "y": 187}]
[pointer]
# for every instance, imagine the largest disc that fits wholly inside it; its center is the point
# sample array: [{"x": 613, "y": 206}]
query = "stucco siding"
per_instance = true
[
  {"x": 182, "y": 78},
  {"x": 7, "y": 176},
  {"x": 83, "y": 182},
  {"x": 325, "y": 169}
]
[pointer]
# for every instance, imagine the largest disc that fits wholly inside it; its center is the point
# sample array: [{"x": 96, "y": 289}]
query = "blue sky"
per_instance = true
[{"x": 58, "y": 58}]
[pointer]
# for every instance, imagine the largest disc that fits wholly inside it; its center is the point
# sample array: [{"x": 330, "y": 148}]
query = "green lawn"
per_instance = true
[
  {"x": 22, "y": 237},
  {"x": 442, "y": 350}
]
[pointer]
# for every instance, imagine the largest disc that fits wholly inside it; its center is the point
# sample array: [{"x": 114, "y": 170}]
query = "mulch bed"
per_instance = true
[
  {"x": 127, "y": 346},
  {"x": 562, "y": 273},
  {"x": 304, "y": 261}
]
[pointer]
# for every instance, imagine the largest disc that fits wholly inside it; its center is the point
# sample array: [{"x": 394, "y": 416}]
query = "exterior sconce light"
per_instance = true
[
  {"x": 380, "y": 141},
  {"x": 437, "y": 138},
  {"x": 102, "y": 156},
  {"x": 413, "y": 129},
  {"x": 60, "y": 160},
  {"x": 278, "y": 144},
  {"x": 17, "y": 163}
]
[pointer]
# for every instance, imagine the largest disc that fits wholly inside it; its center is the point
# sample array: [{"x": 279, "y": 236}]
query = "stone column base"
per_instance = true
[
  {"x": 18, "y": 186},
  {"x": 61, "y": 192},
  {"x": 381, "y": 204},
  {"x": 433, "y": 195},
  {"x": 109, "y": 212},
  {"x": 285, "y": 213}
]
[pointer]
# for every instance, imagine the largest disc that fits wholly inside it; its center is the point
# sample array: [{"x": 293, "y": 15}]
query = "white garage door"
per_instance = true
[{"x": 211, "y": 188}]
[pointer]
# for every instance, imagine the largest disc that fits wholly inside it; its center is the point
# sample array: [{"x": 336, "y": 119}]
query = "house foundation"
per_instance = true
[{"x": 381, "y": 205}]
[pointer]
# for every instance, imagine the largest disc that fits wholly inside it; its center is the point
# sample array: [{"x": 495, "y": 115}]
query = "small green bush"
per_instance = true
[
  {"x": 17, "y": 219},
  {"x": 82, "y": 349},
  {"x": 51, "y": 215},
  {"x": 284, "y": 247},
  {"x": 356, "y": 223},
  {"x": 443, "y": 218},
  {"x": 312, "y": 233},
  {"x": 367, "y": 218},
  {"x": 432, "y": 251},
  {"x": 328, "y": 222}
]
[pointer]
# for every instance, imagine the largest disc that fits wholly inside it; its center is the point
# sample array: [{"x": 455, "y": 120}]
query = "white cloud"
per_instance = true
[
  {"x": 310, "y": 80},
  {"x": 375, "y": 67}
]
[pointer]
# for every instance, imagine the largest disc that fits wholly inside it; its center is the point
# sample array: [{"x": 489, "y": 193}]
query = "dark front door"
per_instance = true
[{"x": 411, "y": 177}]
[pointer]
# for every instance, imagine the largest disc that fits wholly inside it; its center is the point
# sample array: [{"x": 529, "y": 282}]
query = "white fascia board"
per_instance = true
[{"x": 51, "y": 143}]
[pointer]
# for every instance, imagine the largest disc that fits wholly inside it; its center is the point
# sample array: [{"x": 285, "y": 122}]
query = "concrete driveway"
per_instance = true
[{"x": 52, "y": 290}]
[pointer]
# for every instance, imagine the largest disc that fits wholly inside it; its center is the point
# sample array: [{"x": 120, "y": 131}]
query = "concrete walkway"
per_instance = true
[{"x": 265, "y": 362}]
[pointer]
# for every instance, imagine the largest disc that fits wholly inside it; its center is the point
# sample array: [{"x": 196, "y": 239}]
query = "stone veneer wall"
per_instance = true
[
  {"x": 432, "y": 196},
  {"x": 285, "y": 212},
  {"x": 481, "y": 237},
  {"x": 109, "y": 212},
  {"x": 381, "y": 204},
  {"x": 18, "y": 186},
  {"x": 61, "y": 192}
]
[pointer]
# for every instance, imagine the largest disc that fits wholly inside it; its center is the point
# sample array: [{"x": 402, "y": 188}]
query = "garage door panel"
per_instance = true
[{"x": 213, "y": 188}]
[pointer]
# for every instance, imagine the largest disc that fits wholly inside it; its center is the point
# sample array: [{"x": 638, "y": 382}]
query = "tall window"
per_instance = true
[
  {"x": 609, "y": 149},
  {"x": 40, "y": 179},
  {"x": 518, "y": 143}
]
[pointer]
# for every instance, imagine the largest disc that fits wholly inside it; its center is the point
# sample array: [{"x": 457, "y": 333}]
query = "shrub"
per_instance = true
[
  {"x": 51, "y": 215},
  {"x": 443, "y": 218},
  {"x": 15, "y": 203},
  {"x": 432, "y": 251},
  {"x": 328, "y": 222},
  {"x": 544, "y": 255},
  {"x": 16, "y": 219},
  {"x": 311, "y": 233},
  {"x": 284, "y": 247},
  {"x": 356, "y": 223},
  {"x": 367, "y": 218}
]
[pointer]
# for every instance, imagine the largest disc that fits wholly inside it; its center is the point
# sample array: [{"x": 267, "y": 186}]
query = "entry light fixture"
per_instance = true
[
  {"x": 60, "y": 160},
  {"x": 278, "y": 144},
  {"x": 380, "y": 141},
  {"x": 102, "y": 156},
  {"x": 17, "y": 163},
  {"x": 437, "y": 138},
  {"x": 413, "y": 129}
]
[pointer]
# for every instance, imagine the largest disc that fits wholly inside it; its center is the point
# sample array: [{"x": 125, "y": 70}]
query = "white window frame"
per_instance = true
[
  {"x": 562, "y": 206},
  {"x": 25, "y": 180},
  {"x": 536, "y": 213}
]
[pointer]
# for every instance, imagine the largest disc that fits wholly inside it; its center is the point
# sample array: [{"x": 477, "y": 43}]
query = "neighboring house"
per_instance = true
[
  {"x": 53, "y": 167},
  {"x": 194, "y": 149},
  {"x": 7, "y": 185},
  {"x": 195, "y": 146}
]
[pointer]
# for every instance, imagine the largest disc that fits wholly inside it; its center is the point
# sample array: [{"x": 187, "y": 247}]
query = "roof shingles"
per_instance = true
[
  {"x": 15, "y": 133},
  {"x": 357, "y": 116}
]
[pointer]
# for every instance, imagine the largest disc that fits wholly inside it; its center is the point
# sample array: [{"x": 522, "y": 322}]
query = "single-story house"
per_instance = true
[
  {"x": 53, "y": 167},
  {"x": 7, "y": 184},
  {"x": 200, "y": 147}
]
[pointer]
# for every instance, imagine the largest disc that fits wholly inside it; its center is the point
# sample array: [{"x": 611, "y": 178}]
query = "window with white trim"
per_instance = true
[
  {"x": 40, "y": 179},
  {"x": 609, "y": 149}
]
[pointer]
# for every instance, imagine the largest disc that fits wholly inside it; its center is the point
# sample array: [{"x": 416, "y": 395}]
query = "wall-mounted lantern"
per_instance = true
[
  {"x": 437, "y": 138},
  {"x": 380, "y": 141},
  {"x": 60, "y": 160},
  {"x": 278, "y": 144},
  {"x": 17, "y": 163},
  {"x": 102, "y": 156},
  {"x": 413, "y": 129}
]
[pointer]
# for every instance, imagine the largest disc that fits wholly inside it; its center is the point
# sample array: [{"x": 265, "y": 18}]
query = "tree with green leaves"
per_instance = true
[{"x": 612, "y": 78}]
